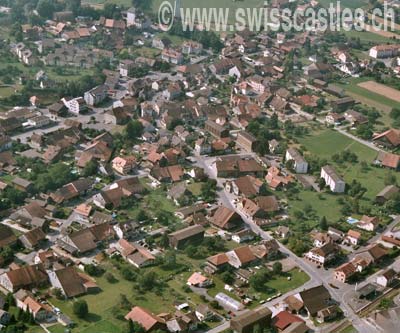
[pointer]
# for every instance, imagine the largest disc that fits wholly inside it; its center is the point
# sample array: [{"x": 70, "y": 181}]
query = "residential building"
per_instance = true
[
  {"x": 146, "y": 319},
  {"x": 247, "y": 321},
  {"x": 190, "y": 235},
  {"x": 300, "y": 164},
  {"x": 332, "y": 179},
  {"x": 384, "y": 51},
  {"x": 24, "y": 277},
  {"x": 386, "y": 278},
  {"x": 124, "y": 165},
  {"x": 247, "y": 141},
  {"x": 96, "y": 95}
]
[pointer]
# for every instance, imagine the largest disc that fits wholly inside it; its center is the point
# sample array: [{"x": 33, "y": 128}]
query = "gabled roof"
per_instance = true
[
  {"x": 70, "y": 281},
  {"x": 144, "y": 317},
  {"x": 223, "y": 216}
]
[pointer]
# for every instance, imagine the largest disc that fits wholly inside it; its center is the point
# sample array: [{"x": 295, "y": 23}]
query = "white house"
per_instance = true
[
  {"x": 322, "y": 255},
  {"x": 96, "y": 95},
  {"x": 75, "y": 105},
  {"x": 384, "y": 51},
  {"x": 332, "y": 179},
  {"x": 386, "y": 278},
  {"x": 300, "y": 164}
]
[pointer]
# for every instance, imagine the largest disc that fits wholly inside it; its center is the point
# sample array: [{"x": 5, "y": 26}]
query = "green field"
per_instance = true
[{"x": 327, "y": 142}]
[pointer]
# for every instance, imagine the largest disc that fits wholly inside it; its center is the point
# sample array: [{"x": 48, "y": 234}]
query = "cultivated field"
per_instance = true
[{"x": 381, "y": 89}]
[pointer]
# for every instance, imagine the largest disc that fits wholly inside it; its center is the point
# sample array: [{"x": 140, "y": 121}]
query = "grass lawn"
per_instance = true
[
  {"x": 283, "y": 285},
  {"x": 328, "y": 142},
  {"x": 58, "y": 328},
  {"x": 323, "y": 205},
  {"x": 103, "y": 307},
  {"x": 195, "y": 188},
  {"x": 349, "y": 329}
]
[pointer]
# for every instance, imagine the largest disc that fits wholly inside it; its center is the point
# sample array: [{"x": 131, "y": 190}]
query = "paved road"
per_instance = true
[{"x": 316, "y": 278}]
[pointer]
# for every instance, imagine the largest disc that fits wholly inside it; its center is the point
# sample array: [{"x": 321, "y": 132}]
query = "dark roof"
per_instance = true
[
  {"x": 187, "y": 232},
  {"x": 7, "y": 236},
  {"x": 70, "y": 281},
  {"x": 315, "y": 299}
]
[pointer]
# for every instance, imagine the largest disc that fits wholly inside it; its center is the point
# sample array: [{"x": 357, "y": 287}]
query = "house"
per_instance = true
[
  {"x": 190, "y": 235},
  {"x": 335, "y": 235},
  {"x": 124, "y": 165},
  {"x": 386, "y": 278},
  {"x": 276, "y": 179},
  {"x": 389, "y": 138},
  {"x": 146, "y": 319},
  {"x": 161, "y": 43},
  {"x": 202, "y": 147},
  {"x": 266, "y": 249},
  {"x": 353, "y": 237},
  {"x": 334, "y": 118},
  {"x": 186, "y": 212},
  {"x": 282, "y": 231},
  {"x": 22, "y": 184},
  {"x": 386, "y": 194},
  {"x": 247, "y": 141},
  {"x": 173, "y": 173},
  {"x": 247, "y": 321},
  {"x": 135, "y": 254},
  {"x": 216, "y": 263},
  {"x": 368, "y": 223},
  {"x": 355, "y": 118},
  {"x": 344, "y": 272},
  {"x": 225, "y": 218},
  {"x": 198, "y": 280},
  {"x": 96, "y": 95},
  {"x": 246, "y": 186},
  {"x": 26, "y": 302},
  {"x": 322, "y": 255},
  {"x": 172, "y": 56},
  {"x": 203, "y": 312},
  {"x": 384, "y": 51},
  {"x": 342, "y": 104},
  {"x": 327, "y": 314},
  {"x": 315, "y": 299},
  {"x": 191, "y": 47},
  {"x": 179, "y": 193},
  {"x": 241, "y": 256},
  {"x": 332, "y": 179},
  {"x": 86, "y": 240},
  {"x": 7, "y": 237},
  {"x": 71, "y": 190},
  {"x": 32, "y": 238},
  {"x": 75, "y": 105},
  {"x": 70, "y": 282},
  {"x": 300, "y": 164},
  {"x": 216, "y": 130},
  {"x": 284, "y": 319},
  {"x": 115, "y": 193},
  {"x": 243, "y": 236},
  {"x": 24, "y": 277},
  {"x": 321, "y": 238},
  {"x": 117, "y": 116},
  {"x": 28, "y": 212}
]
